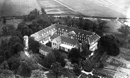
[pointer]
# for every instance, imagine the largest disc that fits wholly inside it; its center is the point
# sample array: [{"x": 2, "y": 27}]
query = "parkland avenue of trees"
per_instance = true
[{"x": 14, "y": 61}]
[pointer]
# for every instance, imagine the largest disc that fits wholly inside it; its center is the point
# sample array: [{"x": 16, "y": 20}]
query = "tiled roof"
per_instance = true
[
  {"x": 93, "y": 38},
  {"x": 39, "y": 33},
  {"x": 77, "y": 31},
  {"x": 65, "y": 34},
  {"x": 46, "y": 48},
  {"x": 90, "y": 35},
  {"x": 68, "y": 40},
  {"x": 54, "y": 36}
]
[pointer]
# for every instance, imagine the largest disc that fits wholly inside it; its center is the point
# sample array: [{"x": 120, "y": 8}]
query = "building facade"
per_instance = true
[
  {"x": 52, "y": 32},
  {"x": 64, "y": 43}
]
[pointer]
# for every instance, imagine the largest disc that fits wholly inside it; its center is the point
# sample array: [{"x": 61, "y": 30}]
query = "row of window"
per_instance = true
[
  {"x": 64, "y": 43},
  {"x": 62, "y": 29},
  {"x": 76, "y": 37},
  {"x": 68, "y": 44},
  {"x": 82, "y": 39},
  {"x": 65, "y": 49},
  {"x": 79, "y": 37},
  {"x": 49, "y": 31}
]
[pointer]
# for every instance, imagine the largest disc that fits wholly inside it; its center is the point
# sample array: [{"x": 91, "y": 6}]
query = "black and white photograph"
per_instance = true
[{"x": 64, "y": 38}]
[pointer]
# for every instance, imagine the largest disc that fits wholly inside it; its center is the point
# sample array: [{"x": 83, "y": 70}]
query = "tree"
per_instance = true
[
  {"x": 102, "y": 25},
  {"x": 20, "y": 26},
  {"x": 74, "y": 56},
  {"x": 26, "y": 32},
  {"x": 14, "y": 63},
  {"x": 87, "y": 25},
  {"x": 68, "y": 73},
  {"x": 109, "y": 44},
  {"x": 14, "y": 39},
  {"x": 34, "y": 45},
  {"x": 4, "y": 65},
  {"x": 17, "y": 47},
  {"x": 125, "y": 30},
  {"x": 77, "y": 70},
  {"x": 38, "y": 74},
  {"x": 11, "y": 28},
  {"x": 14, "y": 46},
  {"x": 34, "y": 26},
  {"x": 85, "y": 50},
  {"x": 56, "y": 68},
  {"x": 18, "y": 34},
  {"x": 59, "y": 57},
  {"x": 33, "y": 15},
  {"x": 33, "y": 61},
  {"x": 8, "y": 29},
  {"x": 6, "y": 74},
  {"x": 48, "y": 60},
  {"x": 23, "y": 28},
  {"x": 24, "y": 70},
  {"x": 4, "y": 48}
]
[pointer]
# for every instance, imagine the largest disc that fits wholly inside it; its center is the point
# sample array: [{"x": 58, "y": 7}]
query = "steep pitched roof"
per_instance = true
[
  {"x": 54, "y": 36},
  {"x": 68, "y": 40},
  {"x": 46, "y": 48},
  {"x": 77, "y": 31},
  {"x": 89, "y": 35},
  {"x": 38, "y": 35},
  {"x": 93, "y": 38}
]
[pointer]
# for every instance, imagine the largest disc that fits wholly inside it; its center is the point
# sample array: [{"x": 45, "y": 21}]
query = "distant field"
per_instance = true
[
  {"x": 14, "y": 22},
  {"x": 53, "y": 7},
  {"x": 17, "y": 7},
  {"x": 94, "y": 8},
  {"x": 125, "y": 4}
]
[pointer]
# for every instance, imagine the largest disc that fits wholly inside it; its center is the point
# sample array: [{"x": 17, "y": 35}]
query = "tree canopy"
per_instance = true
[
  {"x": 109, "y": 44},
  {"x": 34, "y": 45},
  {"x": 24, "y": 70},
  {"x": 125, "y": 30},
  {"x": 74, "y": 55}
]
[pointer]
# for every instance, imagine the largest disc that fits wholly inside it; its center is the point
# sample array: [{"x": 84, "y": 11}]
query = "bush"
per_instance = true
[
  {"x": 6, "y": 74},
  {"x": 122, "y": 42},
  {"x": 8, "y": 29},
  {"x": 48, "y": 60},
  {"x": 37, "y": 74}
]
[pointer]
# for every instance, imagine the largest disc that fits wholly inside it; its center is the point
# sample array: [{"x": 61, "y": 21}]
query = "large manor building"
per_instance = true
[{"x": 66, "y": 38}]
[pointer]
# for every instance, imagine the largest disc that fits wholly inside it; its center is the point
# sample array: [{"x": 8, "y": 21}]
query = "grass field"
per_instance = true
[
  {"x": 94, "y": 8},
  {"x": 17, "y": 7}
]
